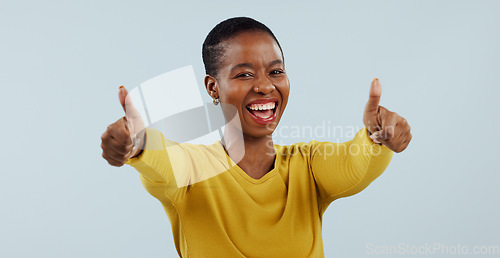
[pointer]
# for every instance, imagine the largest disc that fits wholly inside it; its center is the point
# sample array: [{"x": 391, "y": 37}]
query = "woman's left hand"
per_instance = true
[{"x": 386, "y": 127}]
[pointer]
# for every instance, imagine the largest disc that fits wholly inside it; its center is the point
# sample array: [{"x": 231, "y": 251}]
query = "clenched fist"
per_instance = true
[
  {"x": 125, "y": 138},
  {"x": 386, "y": 127}
]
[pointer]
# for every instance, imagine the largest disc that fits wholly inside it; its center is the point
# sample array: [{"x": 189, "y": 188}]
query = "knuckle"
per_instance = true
[
  {"x": 119, "y": 148},
  {"x": 124, "y": 144},
  {"x": 114, "y": 163},
  {"x": 124, "y": 150},
  {"x": 106, "y": 135}
]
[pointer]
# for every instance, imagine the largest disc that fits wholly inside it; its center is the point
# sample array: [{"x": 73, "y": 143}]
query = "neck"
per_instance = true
[{"x": 254, "y": 155}]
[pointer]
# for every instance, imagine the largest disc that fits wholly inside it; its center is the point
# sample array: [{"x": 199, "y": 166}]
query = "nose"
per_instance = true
[{"x": 264, "y": 85}]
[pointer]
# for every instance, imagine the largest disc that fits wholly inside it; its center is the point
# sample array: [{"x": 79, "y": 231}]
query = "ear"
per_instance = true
[{"x": 211, "y": 86}]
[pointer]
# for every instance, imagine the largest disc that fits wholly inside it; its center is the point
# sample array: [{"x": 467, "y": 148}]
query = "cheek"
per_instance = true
[
  {"x": 233, "y": 94},
  {"x": 284, "y": 88}
]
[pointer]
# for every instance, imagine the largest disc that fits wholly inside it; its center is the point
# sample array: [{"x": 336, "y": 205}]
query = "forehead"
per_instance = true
[{"x": 250, "y": 47}]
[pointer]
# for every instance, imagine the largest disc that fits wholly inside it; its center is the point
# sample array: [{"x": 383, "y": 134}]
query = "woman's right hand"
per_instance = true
[{"x": 125, "y": 138}]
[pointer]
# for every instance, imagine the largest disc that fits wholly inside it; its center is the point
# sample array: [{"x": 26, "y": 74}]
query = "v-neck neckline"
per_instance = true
[{"x": 234, "y": 167}]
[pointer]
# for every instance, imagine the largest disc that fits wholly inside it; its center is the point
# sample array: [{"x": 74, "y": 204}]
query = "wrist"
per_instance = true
[{"x": 139, "y": 145}]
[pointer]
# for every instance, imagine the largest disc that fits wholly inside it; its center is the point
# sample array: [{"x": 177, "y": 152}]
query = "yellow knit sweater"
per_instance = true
[{"x": 217, "y": 210}]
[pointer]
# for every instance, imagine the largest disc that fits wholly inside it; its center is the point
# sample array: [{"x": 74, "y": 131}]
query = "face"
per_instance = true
[{"x": 252, "y": 79}]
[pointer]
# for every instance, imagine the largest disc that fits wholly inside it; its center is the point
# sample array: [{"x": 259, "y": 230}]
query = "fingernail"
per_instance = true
[{"x": 374, "y": 137}]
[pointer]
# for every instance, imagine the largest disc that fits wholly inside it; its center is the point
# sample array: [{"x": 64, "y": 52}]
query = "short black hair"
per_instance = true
[{"x": 213, "y": 50}]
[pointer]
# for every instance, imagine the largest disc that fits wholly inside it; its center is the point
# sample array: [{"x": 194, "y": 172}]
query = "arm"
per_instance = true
[
  {"x": 153, "y": 164},
  {"x": 166, "y": 168},
  {"x": 146, "y": 160},
  {"x": 155, "y": 160},
  {"x": 344, "y": 169}
]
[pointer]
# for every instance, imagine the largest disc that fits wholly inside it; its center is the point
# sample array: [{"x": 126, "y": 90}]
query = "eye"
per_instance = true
[
  {"x": 244, "y": 75},
  {"x": 277, "y": 72}
]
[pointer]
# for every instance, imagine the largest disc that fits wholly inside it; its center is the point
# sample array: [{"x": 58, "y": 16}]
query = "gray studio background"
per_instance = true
[{"x": 61, "y": 63}]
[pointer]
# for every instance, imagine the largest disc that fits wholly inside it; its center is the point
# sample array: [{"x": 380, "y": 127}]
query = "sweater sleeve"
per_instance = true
[
  {"x": 156, "y": 168},
  {"x": 344, "y": 169}
]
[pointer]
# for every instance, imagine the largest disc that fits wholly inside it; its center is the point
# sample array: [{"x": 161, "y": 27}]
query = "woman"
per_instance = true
[{"x": 269, "y": 204}]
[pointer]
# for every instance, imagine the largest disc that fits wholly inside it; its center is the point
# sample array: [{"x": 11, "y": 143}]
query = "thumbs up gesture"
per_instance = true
[
  {"x": 125, "y": 138},
  {"x": 386, "y": 127}
]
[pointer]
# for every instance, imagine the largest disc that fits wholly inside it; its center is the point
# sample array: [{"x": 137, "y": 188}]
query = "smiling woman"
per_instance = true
[
  {"x": 252, "y": 78},
  {"x": 270, "y": 203}
]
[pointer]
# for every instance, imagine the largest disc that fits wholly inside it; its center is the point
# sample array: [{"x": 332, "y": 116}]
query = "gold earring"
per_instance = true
[{"x": 216, "y": 101}]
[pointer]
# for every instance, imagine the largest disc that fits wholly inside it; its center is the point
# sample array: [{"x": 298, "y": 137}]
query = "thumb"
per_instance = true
[
  {"x": 133, "y": 120},
  {"x": 374, "y": 99},
  {"x": 122, "y": 95},
  {"x": 128, "y": 106}
]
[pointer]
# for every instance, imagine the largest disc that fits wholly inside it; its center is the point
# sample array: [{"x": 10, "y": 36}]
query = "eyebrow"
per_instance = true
[
  {"x": 249, "y": 65},
  {"x": 277, "y": 61}
]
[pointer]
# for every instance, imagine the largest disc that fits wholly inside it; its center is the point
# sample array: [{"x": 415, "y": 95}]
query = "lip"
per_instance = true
[
  {"x": 261, "y": 101},
  {"x": 260, "y": 120}
]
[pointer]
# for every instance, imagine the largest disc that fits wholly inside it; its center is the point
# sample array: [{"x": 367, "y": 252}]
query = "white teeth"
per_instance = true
[{"x": 262, "y": 106}]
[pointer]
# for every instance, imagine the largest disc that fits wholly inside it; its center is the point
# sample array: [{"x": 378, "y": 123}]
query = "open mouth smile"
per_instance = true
[{"x": 263, "y": 111}]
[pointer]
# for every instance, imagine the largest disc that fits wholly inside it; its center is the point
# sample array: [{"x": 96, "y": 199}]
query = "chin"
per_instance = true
[{"x": 261, "y": 131}]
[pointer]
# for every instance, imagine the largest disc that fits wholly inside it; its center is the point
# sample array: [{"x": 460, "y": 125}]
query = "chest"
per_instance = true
[{"x": 274, "y": 215}]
